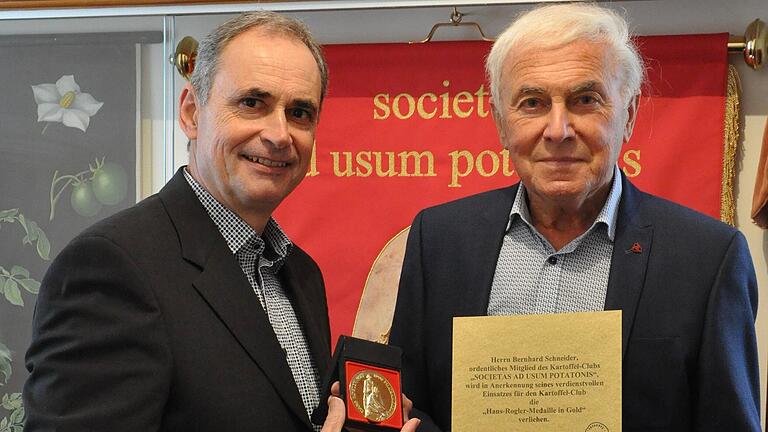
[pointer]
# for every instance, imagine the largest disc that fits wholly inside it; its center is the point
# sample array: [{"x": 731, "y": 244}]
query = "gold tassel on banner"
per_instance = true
[{"x": 730, "y": 143}]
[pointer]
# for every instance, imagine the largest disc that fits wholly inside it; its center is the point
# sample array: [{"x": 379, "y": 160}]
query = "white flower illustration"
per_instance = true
[{"x": 63, "y": 102}]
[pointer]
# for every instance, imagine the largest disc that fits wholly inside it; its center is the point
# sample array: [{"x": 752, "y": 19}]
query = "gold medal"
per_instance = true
[{"x": 372, "y": 395}]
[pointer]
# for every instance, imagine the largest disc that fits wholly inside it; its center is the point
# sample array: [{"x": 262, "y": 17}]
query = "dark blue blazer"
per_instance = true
[
  {"x": 145, "y": 322},
  {"x": 689, "y": 302}
]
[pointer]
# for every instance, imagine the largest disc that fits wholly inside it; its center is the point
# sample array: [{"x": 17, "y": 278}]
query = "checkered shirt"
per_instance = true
[
  {"x": 533, "y": 278},
  {"x": 260, "y": 258}
]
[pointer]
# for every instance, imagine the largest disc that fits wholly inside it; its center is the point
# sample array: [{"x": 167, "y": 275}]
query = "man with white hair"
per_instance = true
[{"x": 576, "y": 235}]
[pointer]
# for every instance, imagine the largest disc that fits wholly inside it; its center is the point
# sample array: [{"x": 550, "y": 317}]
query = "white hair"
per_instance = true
[{"x": 555, "y": 26}]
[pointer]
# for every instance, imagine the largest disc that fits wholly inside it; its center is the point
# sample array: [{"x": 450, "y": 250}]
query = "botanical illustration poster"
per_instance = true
[{"x": 67, "y": 159}]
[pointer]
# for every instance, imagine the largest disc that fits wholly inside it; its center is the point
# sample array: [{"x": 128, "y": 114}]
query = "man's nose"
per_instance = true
[
  {"x": 276, "y": 130},
  {"x": 559, "y": 127}
]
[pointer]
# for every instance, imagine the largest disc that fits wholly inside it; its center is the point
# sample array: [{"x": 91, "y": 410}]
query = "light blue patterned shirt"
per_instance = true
[{"x": 533, "y": 278}]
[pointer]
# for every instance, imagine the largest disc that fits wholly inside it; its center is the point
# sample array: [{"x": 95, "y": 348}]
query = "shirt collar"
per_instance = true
[
  {"x": 235, "y": 230},
  {"x": 607, "y": 215}
]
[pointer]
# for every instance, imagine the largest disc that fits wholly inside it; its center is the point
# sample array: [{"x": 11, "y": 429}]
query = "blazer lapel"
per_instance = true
[
  {"x": 226, "y": 289},
  {"x": 629, "y": 263},
  {"x": 482, "y": 249}
]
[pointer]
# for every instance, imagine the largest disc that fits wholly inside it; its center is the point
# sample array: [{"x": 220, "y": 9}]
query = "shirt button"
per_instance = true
[{"x": 552, "y": 260}]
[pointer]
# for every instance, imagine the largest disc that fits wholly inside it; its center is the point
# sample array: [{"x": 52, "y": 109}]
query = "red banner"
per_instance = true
[{"x": 409, "y": 126}]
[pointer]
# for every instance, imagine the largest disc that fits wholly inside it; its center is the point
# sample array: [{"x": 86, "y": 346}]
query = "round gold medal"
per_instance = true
[{"x": 372, "y": 395}]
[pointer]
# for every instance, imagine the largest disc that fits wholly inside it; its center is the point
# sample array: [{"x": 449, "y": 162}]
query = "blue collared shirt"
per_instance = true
[{"x": 533, "y": 278}]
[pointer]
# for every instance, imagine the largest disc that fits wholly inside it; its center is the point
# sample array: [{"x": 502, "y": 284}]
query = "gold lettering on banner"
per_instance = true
[
  {"x": 391, "y": 171},
  {"x": 413, "y": 163},
  {"x": 481, "y": 93},
  {"x": 336, "y": 171},
  {"x": 312, "y": 172},
  {"x": 506, "y": 171},
  {"x": 481, "y": 165},
  {"x": 396, "y": 106},
  {"x": 404, "y": 156},
  {"x": 462, "y": 104},
  {"x": 383, "y": 164},
  {"x": 486, "y": 164},
  {"x": 456, "y": 155},
  {"x": 462, "y": 98},
  {"x": 420, "y": 106},
  {"x": 364, "y": 161},
  {"x": 632, "y": 159},
  {"x": 445, "y": 113},
  {"x": 381, "y": 101}
]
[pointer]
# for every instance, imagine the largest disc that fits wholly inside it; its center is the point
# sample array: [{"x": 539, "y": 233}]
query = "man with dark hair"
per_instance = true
[
  {"x": 576, "y": 235},
  {"x": 193, "y": 310}
]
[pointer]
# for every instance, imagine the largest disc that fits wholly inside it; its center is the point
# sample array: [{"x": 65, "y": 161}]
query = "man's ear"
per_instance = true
[
  {"x": 188, "y": 111},
  {"x": 631, "y": 117}
]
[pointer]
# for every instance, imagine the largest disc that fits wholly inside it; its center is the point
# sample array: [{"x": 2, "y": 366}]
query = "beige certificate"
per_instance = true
[{"x": 558, "y": 372}]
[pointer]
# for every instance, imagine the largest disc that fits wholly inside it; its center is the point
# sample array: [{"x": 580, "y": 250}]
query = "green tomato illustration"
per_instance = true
[
  {"x": 82, "y": 200},
  {"x": 110, "y": 184}
]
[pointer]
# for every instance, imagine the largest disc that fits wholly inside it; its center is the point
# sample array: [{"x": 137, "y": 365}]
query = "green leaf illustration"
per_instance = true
[
  {"x": 5, "y": 372},
  {"x": 5, "y": 366},
  {"x": 43, "y": 245},
  {"x": 12, "y": 293},
  {"x": 33, "y": 231},
  {"x": 15, "y": 422},
  {"x": 8, "y": 215},
  {"x": 23, "y": 222},
  {"x": 17, "y": 416},
  {"x": 19, "y": 276},
  {"x": 31, "y": 285},
  {"x": 12, "y": 402},
  {"x": 19, "y": 271},
  {"x": 35, "y": 234}
]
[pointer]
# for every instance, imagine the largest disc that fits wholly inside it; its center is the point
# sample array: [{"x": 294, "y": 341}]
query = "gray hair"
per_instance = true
[
  {"x": 210, "y": 48},
  {"x": 558, "y": 25}
]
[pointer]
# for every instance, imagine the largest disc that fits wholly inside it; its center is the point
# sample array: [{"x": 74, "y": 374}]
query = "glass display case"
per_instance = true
[{"x": 82, "y": 136}]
